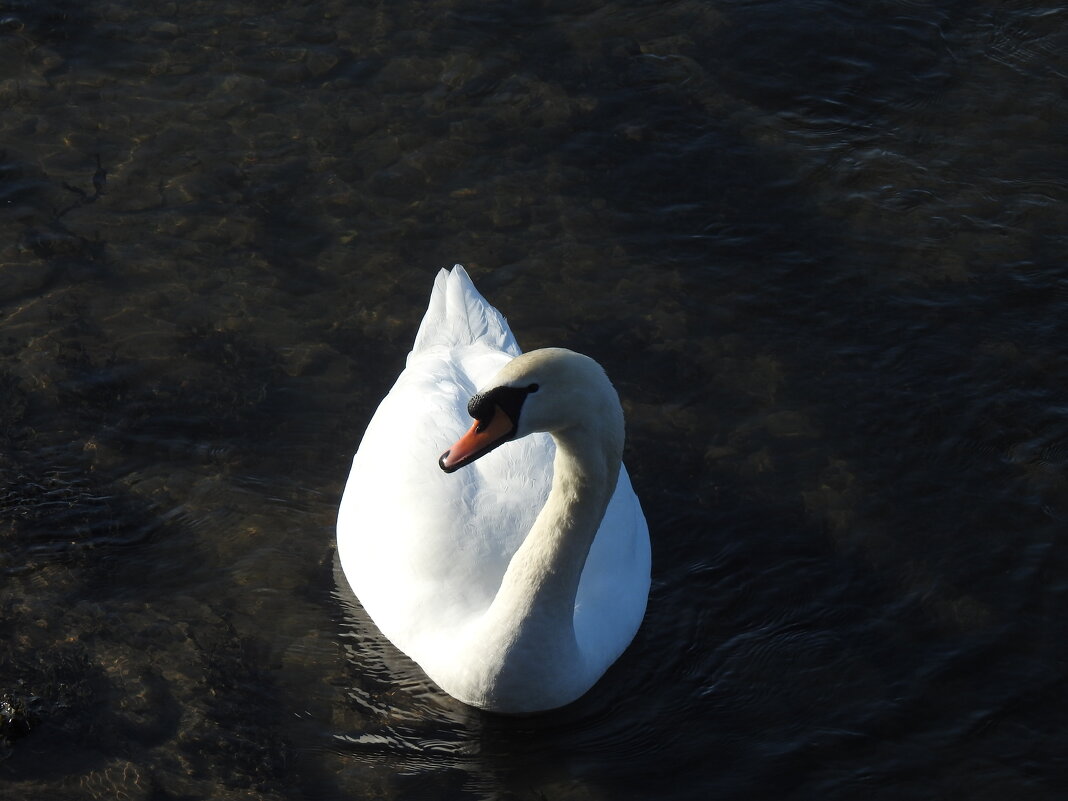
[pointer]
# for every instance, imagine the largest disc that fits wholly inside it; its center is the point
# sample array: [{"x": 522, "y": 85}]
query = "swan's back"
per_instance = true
[{"x": 425, "y": 551}]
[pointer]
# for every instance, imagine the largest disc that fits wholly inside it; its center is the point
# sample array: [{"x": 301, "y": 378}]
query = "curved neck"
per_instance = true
[{"x": 537, "y": 593}]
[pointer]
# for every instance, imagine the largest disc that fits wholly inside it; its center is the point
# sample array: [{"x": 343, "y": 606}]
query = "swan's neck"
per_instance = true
[
  {"x": 548, "y": 566},
  {"x": 535, "y": 606}
]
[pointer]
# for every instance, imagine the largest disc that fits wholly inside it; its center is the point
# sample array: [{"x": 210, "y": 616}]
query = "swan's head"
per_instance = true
[{"x": 553, "y": 390}]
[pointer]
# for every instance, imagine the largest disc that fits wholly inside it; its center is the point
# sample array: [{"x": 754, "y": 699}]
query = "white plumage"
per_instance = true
[{"x": 426, "y": 551}]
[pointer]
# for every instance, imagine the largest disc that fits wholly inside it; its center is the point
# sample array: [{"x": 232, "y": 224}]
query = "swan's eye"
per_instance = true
[{"x": 533, "y": 388}]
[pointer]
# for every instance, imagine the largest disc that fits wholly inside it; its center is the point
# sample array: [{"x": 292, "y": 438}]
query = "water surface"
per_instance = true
[{"x": 819, "y": 247}]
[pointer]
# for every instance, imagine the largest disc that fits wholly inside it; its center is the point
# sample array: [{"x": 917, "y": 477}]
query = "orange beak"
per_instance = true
[{"x": 479, "y": 440}]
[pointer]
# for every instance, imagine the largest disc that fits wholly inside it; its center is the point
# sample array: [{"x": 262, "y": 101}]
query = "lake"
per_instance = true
[{"x": 819, "y": 247}]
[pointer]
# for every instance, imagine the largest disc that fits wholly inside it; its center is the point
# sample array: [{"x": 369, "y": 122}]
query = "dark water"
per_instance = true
[{"x": 820, "y": 248}]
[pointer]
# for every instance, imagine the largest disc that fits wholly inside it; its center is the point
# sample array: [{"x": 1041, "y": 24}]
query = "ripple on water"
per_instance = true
[{"x": 819, "y": 246}]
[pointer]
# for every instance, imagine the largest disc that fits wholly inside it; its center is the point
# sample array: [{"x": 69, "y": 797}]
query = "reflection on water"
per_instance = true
[{"x": 818, "y": 247}]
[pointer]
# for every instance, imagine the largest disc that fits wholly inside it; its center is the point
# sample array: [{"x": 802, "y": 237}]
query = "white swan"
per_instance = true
[{"x": 515, "y": 581}]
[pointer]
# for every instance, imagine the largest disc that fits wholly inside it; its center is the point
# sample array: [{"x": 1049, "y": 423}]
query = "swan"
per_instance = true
[{"x": 513, "y": 567}]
